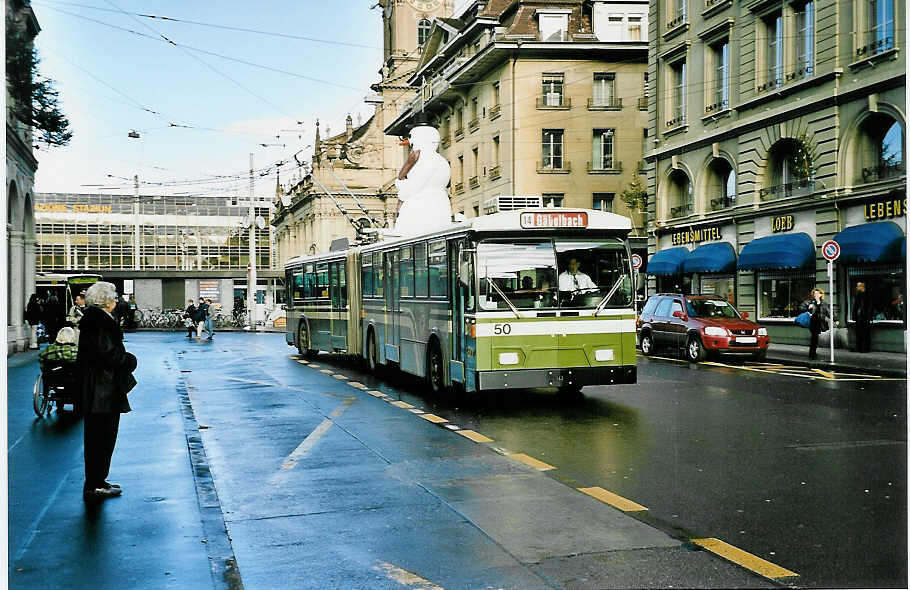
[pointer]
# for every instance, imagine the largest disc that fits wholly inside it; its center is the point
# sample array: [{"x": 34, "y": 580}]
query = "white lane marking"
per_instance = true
[
  {"x": 404, "y": 577},
  {"x": 311, "y": 440}
]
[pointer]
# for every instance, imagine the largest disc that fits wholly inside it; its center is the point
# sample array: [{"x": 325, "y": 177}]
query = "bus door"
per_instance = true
[
  {"x": 463, "y": 363},
  {"x": 339, "y": 297},
  {"x": 392, "y": 305}
]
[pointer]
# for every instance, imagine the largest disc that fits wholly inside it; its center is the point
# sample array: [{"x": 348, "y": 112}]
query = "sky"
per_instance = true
[{"x": 199, "y": 116}]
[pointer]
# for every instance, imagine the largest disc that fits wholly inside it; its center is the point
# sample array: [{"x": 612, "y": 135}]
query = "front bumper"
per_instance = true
[
  {"x": 728, "y": 345},
  {"x": 576, "y": 376}
]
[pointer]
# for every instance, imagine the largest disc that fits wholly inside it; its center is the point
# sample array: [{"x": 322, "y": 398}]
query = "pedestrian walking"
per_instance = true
[
  {"x": 818, "y": 319},
  {"x": 189, "y": 318},
  {"x": 53, "y": 317},
  {"x": 107, "y": 377},
  {"x": 209, "y": 322},
  {"x": 862, "y": 316},
  {"x": 33, "y": 315},
  {"x": 200, "y": 317}
]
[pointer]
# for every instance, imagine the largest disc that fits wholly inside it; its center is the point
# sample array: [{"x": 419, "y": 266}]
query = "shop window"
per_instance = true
[
  {"x": 679, "y": 193},
  {"x": 790, "y": 170},
  {"x": 720, "y": 285},
  {"x": 885, "y": 288},
  {"x": 721, "y": 184},
  {"x": 880, "y": 151},
  {"x": 780, "y": 294}
]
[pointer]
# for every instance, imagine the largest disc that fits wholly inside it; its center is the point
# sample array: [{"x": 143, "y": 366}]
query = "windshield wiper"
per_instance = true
[
  {"x": 603, "y": 302},
  {"x": 504, "y": 298}
]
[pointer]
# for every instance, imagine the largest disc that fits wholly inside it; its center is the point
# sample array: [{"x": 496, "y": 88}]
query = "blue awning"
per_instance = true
[
  {"x": 778, "y": 252},
  {"x": 871, "y": 242},
  {"x": 716, "y": 257},
  {"x": 667, "y": 262}
]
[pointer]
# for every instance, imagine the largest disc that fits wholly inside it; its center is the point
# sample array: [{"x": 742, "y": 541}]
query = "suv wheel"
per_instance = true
[
  {"x": 647, "y": 344},
  {"x": 694, "y": 350}
]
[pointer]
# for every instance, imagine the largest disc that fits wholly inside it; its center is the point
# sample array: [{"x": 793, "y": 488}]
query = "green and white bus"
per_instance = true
[{"x": 518, "y": 299}]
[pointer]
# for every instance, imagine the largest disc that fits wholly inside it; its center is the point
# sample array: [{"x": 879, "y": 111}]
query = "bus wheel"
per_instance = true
[
  {"x": 303, "y": 341},
  {"x": 435, "y": 372},
  {"x": 372, "y": 358},
  {"x": 570, "y": 391}
]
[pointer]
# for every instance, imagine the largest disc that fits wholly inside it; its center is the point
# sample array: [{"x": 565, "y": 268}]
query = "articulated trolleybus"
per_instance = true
[{"x": 517, "y": 299}]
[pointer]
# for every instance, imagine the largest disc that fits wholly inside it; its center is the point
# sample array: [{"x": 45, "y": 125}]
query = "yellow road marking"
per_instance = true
[
  {"x": 475, "y": 436},
  {"x": 326, "y": 371},
  {"x": 666, "y": 358},
  {"x": 531, "y": 461},
  {"x": 303, "y": 362},
  {"x": 612, "y": 499},
  {"x": 405, "y": 578},
  {"x": 745, "y": 559},
  {"x": 314, "y": 365},
  {"x": 401, "y": 404},
  {"x": 825, "y": 374},
  {"x": 433, "y": 418},
  {"x": 416, "y": 411},
  {"x": 375, "y": 393},
  {"x": 340, "y": 377},
  {"x": 358, "y": 385}
]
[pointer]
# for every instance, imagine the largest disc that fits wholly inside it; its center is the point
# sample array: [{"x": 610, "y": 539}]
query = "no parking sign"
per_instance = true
[
  {"x": 636, "y": 261},
  {"x": 831, "y": 250}
]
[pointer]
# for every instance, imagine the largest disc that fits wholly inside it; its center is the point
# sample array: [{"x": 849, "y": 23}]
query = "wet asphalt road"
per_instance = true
[{"x": 809, "y": 474}]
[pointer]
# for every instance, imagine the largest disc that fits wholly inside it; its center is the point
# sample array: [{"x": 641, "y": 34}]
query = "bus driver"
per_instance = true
[{"x": 572, "y": 280}]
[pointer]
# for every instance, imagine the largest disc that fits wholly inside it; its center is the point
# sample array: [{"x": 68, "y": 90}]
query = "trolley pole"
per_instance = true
[
  {"x": 251, "y": 283},
  {"x": 136, "y": 222}
]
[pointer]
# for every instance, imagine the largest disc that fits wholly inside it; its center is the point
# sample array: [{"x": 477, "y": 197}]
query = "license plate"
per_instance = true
[{"x": 746, "y": 339}]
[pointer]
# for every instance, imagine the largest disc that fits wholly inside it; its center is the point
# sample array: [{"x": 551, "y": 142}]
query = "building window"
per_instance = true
[
  {"x": 495, "y": 93},
  {"x": 677, "y": 11},
  {"x": 603, "y": 149},
  {"x": 881, "y": 26},
  {"x": 475, "y": 156},
  {"x": 677, "y": 103},
  {"x": 476, "y": 210},
  {"x": 791, "y": 170},
  {"x": 604, "y": 89},
  {"x": 475, "y": 118},
  {"x": 552, "y": 199},
  {"x": 679, "y": 192},
  {"x": 721, "y": 84},
  {"x": 636, "y": 31},
  {"x": 553, "y": 27},
  {"x": 552, "y": 86},
  {"x": 880, "y": 151},
  {"x": 423, "y": 31},
  {"x": 604, "y": 202},
  {"x": 780, "y": 294},
  {"x": 805, "y": 39},
  {"x": 774, "y": 50},
  {"x": 721, "y": 184},
  {"x": 552, "y": 149},
  {"x": 495, "y": 153}
]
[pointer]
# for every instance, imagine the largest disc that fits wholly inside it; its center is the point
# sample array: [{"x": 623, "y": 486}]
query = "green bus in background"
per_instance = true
[
  {"x": 64, "y": 286},
  {"x": 518, "y": 299}
]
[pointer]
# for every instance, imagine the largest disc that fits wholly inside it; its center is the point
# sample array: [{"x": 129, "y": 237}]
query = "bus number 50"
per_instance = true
[{"x": 502, "y": 328}]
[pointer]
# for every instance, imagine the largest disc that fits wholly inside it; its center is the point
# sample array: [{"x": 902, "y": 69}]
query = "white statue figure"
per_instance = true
[{"x": 422, "y": 195}]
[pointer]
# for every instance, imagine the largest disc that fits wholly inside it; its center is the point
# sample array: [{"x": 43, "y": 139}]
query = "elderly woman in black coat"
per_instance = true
[{"x": 106, "y": 379}]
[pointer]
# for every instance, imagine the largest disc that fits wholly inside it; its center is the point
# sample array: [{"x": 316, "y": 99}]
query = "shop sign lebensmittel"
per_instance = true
[
  {"x": 885, "y": 209},
  {"x": 694, "y": 235}
]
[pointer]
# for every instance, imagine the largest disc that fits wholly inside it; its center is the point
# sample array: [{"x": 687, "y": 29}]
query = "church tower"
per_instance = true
[{"x": 406, "y": 25}]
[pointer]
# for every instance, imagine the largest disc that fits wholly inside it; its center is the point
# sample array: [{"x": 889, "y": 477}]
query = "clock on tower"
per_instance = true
[{"x": 425, "y": 5}]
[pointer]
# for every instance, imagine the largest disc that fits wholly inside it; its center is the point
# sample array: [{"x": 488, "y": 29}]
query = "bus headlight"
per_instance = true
[
  {"x": 508, "y": 358},
  {"x": 603, "y": 354},
  {"x": 715, "y": 331}
]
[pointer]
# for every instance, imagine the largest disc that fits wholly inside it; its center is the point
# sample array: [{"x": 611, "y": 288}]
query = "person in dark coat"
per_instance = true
[
  {"x": 107, "y": 376},
  {"x": 33, "y": 314},
  {"x": 818, "y": 319},
  {"x": 53, "y": 317},
  {"x": 201, "y": 311},
  {"x": 190, "y": 314},
  {"x": 862, "y": 315}
]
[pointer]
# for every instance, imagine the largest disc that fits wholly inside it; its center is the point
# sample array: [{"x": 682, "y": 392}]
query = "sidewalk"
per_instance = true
[{"x": 885, "y": 363}]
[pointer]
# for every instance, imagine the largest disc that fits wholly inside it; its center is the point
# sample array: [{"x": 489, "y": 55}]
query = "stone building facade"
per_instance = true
[
  {"x": 20, "y": 218},
  {"x": 776, "y": 126}
]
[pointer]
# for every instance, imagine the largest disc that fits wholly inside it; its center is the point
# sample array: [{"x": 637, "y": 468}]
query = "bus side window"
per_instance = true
[
  {"x": 322, "y": 281},
  {"x": 297, "y": 286},
  {"x": 377, "y": 274},
  {"x": 366, "y": 275},
  {"x": 309, "y": 282},
  {"x": 437, "y": 270},
  {"x": 420, "y": 270},
  {"x": 406, "y": 272},
  {"x": 342, "y": 284}
]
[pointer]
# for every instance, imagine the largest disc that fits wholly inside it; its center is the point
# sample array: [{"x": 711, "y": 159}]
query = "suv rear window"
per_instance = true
[
  {"x": 663, "y": 310},
  {"x": 650, "y": 305}
]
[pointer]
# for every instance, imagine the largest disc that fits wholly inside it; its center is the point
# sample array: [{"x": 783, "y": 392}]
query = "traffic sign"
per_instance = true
[
  {"x": 831, "y": 250},
  {"x": 636, "y": 261}
]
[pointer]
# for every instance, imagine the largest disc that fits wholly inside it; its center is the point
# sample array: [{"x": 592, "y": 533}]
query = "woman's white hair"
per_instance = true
[
  {"x": 66, "y": 335},
  {"x": 101, "y": 294}
]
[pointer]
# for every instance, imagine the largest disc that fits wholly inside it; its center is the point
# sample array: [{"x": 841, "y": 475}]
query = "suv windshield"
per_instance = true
[
  {"x": 548, "y": 273},
  {"x": 711, "y": 308}
]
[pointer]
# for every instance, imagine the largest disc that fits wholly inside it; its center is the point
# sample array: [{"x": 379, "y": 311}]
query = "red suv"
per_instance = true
[{"x": 702, "y": 324}]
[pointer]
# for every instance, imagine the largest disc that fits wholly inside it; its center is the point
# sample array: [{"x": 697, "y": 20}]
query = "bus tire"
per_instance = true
[
  {"x": 372, "y": 352},
  {"x": 303, "y": 341},
  {"x": 569, "y": 391},
  {"x": 435, "y": 370}
]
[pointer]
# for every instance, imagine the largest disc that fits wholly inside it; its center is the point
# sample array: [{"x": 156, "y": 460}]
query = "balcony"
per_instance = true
[
  {"x": 454, "y": 65},
  {"x": 883, "y": 172},
  {"x": 495, "y": 111},
  {"x": 642, "y": 166},
  {"x": 604, "y": 104},
  {"x": 458, "y": 188},
  {"x": 643, "y": 103},
  {"x": 717, "y": 107},
  {"x": 600, "y": 168},
  {"x": 550, "y": 168},
  {"x": 681, "y": 211},
  {"x": 878, "y": 46},
  {"x": 721, "y": 203},
  {"x": 553, "y": 101},
  {"x": 770, "y": 85},
  {"x": 791, "y": 189},
  {"x": 473, "y": 182},
  {"x": 672, "y": 24},
  {"x": 459, "y": 133},
  {"x": 494, "y": 172},
  {"x": 804, "y": 72},
  {"x": 677, "y": 122},
  {"x": 445, "y": 142},
  {"x": 473, "y": 123}
]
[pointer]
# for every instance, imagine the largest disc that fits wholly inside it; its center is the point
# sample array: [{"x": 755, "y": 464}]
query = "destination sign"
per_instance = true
[{"x": 554, "y": 219}]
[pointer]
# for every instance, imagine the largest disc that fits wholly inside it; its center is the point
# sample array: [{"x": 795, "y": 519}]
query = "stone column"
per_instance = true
[{"x": 15, "y": 333}]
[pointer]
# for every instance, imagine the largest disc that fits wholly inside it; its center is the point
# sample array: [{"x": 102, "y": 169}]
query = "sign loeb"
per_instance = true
[
  {"x": 782, "y": 223},
  {"x": 554, "y": 219}
]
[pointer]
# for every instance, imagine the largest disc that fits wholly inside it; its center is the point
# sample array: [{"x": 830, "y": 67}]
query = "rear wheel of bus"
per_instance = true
[
  {"x": 303, "y": 341},
  {"x": 372, "y": 358},
  {"x": 435, "y": 370}
]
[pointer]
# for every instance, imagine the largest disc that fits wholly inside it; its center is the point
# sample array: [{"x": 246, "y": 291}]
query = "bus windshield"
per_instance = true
[{"x": 553, "y": 273}]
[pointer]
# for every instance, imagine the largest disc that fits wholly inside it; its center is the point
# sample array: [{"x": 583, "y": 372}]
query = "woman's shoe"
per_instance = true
[{"x": 101, "y": 493}]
